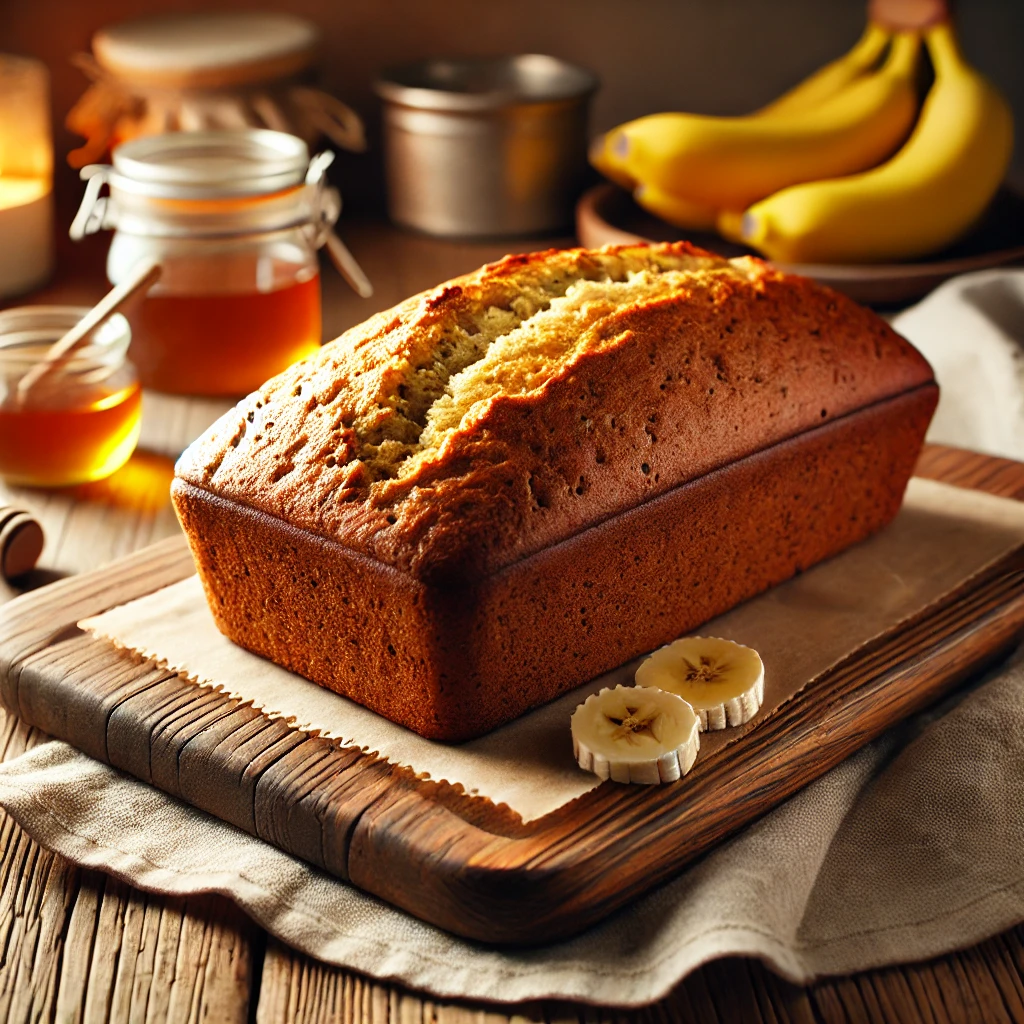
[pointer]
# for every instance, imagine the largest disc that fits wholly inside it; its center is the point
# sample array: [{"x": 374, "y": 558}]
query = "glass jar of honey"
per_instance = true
[
  {"x": 235, "y": 220},
  {"x": 81, "y": 421}
]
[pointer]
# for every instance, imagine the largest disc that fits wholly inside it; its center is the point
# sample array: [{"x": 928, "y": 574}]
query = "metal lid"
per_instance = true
[
  {"x": 215, "y": 48},
  {"x": 209, "y": 184},
  {"x": 205, "y": 165},
  {"x": 477, "y": 84}
]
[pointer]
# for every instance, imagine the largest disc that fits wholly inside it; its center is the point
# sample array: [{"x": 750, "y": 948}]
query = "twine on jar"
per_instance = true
[{"x": 114, "y": 110}]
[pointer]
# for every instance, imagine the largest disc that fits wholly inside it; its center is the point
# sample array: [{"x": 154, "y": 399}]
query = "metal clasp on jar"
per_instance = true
[
  {"x": 327, "y": 210},
  {"x": 129, "y": 207},
  {"x": 92, "y": 213}
]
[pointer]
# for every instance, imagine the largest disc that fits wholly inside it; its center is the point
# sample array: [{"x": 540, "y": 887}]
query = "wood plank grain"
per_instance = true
[
  {"x": 34, "y": 909},
  {"x": 970, "y": 470},
  {"x": 1006, "y": 975},
  {"x": 776, "y": 996},
  {"x": 308, "y": 802},
  {"x": 79, "y": 947},
  {"x": 295, "y": 988},
  {"x": 98, "y": 980},
  {"x": 219, "y": 769},
  {"x": 91, "y": 524},
  {"x": 28, "y": 623},
  {"x": 80, "y": 714},
  {"x": 955, "y": 988}
]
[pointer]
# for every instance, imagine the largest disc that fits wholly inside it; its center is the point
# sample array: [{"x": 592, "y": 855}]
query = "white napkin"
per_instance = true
[{"x": 971, "y": 329}]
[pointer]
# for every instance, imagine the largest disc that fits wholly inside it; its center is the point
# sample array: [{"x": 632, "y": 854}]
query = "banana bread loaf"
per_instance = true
[{"x": 513, "y": 482}]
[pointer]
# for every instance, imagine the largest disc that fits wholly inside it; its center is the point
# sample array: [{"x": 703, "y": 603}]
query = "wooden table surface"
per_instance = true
[{"x": 78, "y": 946}]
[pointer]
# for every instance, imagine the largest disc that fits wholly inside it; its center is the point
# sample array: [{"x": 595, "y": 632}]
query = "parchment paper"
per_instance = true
[{"x": 942, "y": 536}]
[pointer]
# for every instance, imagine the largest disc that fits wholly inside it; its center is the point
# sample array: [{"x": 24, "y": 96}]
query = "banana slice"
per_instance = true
[
  {"x": 722, "y": 681},
  {"x": 633, "y": 734}
]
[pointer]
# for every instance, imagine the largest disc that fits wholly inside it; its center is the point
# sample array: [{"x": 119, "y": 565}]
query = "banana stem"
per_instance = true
[
  {"x": 902, "y": 60},
  {"x": 869, "y": 47},
  {"x": 898, "y": 15},
  {"x": 943, "y": 49}
]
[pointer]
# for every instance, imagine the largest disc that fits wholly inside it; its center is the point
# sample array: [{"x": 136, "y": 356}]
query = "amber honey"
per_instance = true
[
  {"x": 55, "y": 445},
  {"x": 80, "y": 421},
  {"x": 223, "y": 343}
]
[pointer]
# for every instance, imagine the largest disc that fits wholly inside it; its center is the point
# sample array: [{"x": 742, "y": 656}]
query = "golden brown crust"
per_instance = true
[
  {"x": 452, "y": 518},
  {"x": 452, "y": 662},
  {"x": 663, "y": 392}
]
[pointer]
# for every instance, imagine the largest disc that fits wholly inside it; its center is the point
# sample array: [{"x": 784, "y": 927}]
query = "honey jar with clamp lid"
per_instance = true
[{"x": 235, "y": 219}]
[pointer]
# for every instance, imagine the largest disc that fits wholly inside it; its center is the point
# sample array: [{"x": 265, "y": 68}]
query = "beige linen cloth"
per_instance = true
[
  {"x": 910, "y": 848},
  {"x": 971, "y": 329}
]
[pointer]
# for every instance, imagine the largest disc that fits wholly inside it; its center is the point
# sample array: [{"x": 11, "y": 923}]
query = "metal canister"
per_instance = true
[{"x": 485, "y": 147}]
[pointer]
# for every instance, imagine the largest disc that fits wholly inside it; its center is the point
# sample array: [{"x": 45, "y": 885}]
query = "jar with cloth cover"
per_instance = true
[{"x": 199, "y": 72}]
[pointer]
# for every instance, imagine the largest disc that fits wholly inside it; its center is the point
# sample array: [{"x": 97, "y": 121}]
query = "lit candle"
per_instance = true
[{"x": 26, "y": 176}]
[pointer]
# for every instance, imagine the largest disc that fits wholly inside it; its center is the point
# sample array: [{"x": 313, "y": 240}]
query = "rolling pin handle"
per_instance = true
[{"x": 21, "y": 542}]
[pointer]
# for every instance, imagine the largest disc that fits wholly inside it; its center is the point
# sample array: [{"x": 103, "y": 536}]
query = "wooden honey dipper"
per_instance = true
[
  {"x": 21, "y": 542},
  {"x": 141, "y": 277}
]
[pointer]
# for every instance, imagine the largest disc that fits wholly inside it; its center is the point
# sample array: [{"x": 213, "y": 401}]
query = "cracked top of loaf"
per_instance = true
[{"x": 501, "y": 412}]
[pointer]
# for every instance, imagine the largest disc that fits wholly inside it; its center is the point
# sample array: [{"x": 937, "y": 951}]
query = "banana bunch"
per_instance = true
[{"x": 843, "y": 168}]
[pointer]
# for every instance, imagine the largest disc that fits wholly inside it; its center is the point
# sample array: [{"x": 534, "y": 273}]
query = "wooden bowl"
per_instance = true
[{"x": 607, "y": 215}]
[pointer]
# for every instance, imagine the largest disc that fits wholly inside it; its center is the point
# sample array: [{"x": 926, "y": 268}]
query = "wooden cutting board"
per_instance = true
[{"x": 460, "y": 862}]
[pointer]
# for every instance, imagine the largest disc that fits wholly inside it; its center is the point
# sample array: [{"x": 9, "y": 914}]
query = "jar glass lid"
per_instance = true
[{"x": 198, "y": 165}]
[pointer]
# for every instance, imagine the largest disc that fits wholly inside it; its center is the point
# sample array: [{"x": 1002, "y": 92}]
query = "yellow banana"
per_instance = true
[
  {"x": 821, "y": 85},
  {"x": 835, "y": 76},
  {"x": 676, "y": 210},
  {"x": 730, "y": 163},
  {"x": 601, "y": 161},
  {"x": 671, "y": 208},
  {"x": 922, "y": 199}
]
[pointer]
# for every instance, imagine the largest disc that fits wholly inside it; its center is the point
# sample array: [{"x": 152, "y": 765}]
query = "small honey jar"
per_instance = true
[
  {"x": 81, "y": 421},
  {"x": 234, "y": 220}
]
